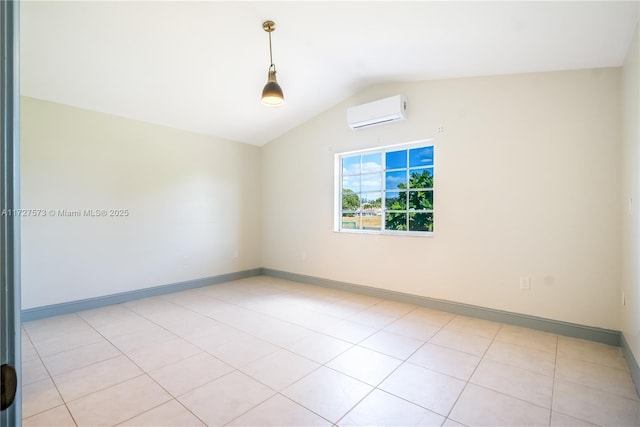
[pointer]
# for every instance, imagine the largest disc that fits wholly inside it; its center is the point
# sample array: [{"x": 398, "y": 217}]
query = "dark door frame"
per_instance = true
[{"x": 10, "y": 338}]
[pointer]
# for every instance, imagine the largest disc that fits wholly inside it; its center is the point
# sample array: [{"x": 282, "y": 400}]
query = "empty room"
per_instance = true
[{"x": 320, "y": 213}]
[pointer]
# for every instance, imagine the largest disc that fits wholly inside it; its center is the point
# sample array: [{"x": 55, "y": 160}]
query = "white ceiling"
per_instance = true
[{"x": 201, "y": 66}]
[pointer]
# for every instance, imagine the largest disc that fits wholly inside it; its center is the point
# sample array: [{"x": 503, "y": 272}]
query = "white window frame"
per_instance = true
[{"x": 337, "y": 223}]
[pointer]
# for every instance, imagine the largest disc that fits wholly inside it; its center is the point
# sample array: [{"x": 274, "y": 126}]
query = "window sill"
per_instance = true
[{"x": 388, "y": 233}]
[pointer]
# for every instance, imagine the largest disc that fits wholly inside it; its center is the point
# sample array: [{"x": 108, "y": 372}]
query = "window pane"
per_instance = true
[
  {"x": 421, "y": 221},
  {"x": 396, "y": 159},
  {"x": 396, "y": 221},
  {"x": 372, "y": 163},
  {"x": 371, "y": 201},
  {"x": 396, "y": 201},
  {"x": 372, "y": 214},
  {"x": 396, "y": 179},
  {"x": 421, "y": 178},
  {"x": 349, "y": 223},
  {"x": 351, "y": 183},
  {"x": 421, "y": 200},
  {"x": 422, "y": 156},
  {"x": 371, "y": 211},
  {"x": 351, "y": 165},
  {"x": 350, "y": 201},
  {"x": 372, "y": 222},
  {"x": 371, "y": 182}
]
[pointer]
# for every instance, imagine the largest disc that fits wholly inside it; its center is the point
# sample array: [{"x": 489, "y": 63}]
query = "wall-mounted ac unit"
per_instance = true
[{"x": 377, "y": 112}]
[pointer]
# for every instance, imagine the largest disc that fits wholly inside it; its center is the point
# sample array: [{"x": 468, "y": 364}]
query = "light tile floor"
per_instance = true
[{"x": 269, "y": 352}]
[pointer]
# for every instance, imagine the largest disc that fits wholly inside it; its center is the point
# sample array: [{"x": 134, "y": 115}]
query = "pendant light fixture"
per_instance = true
[{"x": 272, "y": 95}]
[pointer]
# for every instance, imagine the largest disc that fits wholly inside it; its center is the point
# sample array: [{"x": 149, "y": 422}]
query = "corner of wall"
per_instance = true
[{"x": 630, "y": 199}]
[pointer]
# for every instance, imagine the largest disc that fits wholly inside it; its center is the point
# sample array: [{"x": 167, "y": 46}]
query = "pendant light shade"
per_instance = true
[{"x": 272, "y": 94}]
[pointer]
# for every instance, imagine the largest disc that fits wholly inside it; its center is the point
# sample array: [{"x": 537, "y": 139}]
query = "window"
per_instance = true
[{"x": 387, "y": 189}]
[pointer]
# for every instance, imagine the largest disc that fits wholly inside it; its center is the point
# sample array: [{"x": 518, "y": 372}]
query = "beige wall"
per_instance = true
[
  {"x": 527, "y": 184},
  {"x": 630, "y": 90},
  {"x": 193, "y": 202}
]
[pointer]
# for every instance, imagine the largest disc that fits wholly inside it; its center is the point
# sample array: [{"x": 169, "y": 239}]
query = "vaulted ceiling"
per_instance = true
[{"x": 201, "y": 66}]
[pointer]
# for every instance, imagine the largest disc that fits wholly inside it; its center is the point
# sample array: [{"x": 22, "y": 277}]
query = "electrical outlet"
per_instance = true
[{"x": 524, "y": 282}]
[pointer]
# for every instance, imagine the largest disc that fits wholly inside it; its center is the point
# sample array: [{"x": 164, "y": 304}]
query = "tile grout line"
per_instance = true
[
  {"x": 279, "y": 392},
  {"x": 144, "y": 372},
  {"x": 176, "y": 398},
  {"x": 337, "y": 422},
  {"x": 239, "y": 369},
  {"x": 592, "y": 422},
  {"x": 526, "y": 401},
  {"x": 51, "y": 378},
  {"x": 553, "y": 379},
  {"x": 474, "y": 371},
  {"x": 253, "y": 310},
  {"x": 405, "y": 360},
  {"x": 375, "y": 387}
]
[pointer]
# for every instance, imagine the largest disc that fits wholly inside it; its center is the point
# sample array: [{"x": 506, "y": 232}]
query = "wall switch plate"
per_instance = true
[{"x": 524, "y": 282}]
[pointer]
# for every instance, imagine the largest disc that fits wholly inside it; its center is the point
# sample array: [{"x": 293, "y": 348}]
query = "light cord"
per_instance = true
[{"x": 270, "y": 52}]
